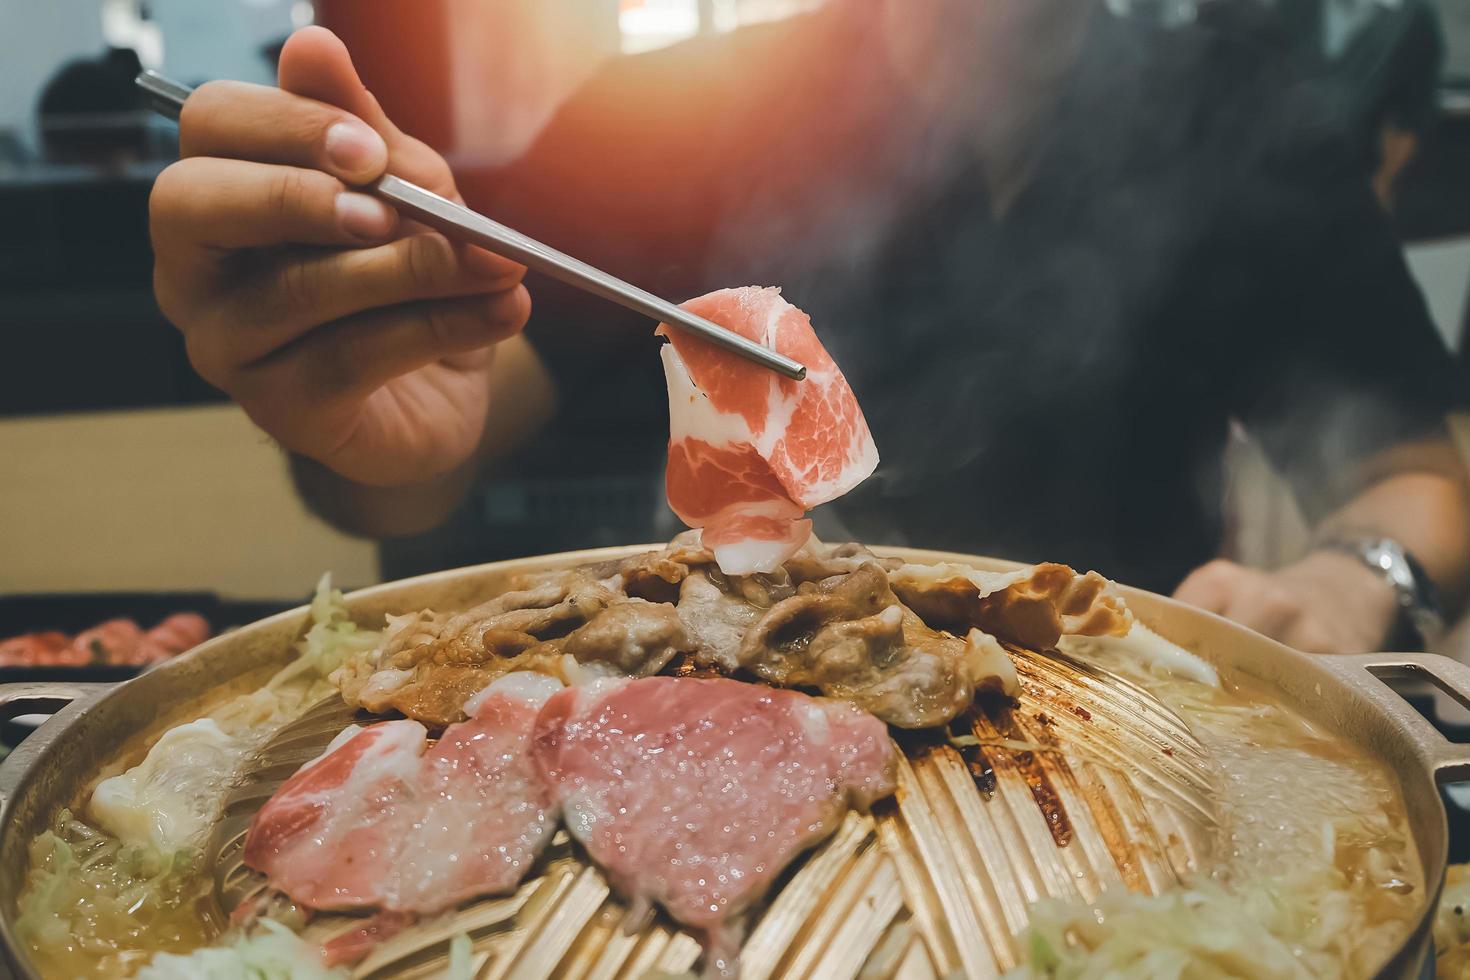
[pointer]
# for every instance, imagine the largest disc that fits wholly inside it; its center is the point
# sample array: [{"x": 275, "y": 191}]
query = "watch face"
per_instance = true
[{"x": 1416, "y": 596}]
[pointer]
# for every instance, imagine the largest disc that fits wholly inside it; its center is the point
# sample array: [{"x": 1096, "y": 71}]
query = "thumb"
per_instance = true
[{"x": 316, "y": 64}]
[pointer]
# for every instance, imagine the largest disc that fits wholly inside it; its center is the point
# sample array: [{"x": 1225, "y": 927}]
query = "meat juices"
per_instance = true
[
  {"x": 378, "y": 821},
  {"x": 750, "y": 451},
  {"x": 697, "y": 793}
]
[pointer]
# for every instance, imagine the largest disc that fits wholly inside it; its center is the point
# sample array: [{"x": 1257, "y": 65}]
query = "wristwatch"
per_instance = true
[{"x": 1420, "y": 612}]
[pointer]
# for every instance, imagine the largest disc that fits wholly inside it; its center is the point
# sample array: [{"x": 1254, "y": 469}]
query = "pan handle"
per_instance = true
[
  {"x": 43, "y": 696},
  {"x": 1448, "y": 760},
  {"x": 66, "y": 698}
]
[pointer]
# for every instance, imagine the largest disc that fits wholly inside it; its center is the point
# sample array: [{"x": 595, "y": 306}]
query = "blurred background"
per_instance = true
[{"x": 121, "y": 470}]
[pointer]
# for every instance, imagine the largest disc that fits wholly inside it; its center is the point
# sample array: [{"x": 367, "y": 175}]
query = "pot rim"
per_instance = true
[{"x": 1358, "y": 681}]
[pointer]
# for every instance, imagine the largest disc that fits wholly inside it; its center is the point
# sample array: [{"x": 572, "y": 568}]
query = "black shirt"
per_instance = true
[{"x": 1193, "y": 245}]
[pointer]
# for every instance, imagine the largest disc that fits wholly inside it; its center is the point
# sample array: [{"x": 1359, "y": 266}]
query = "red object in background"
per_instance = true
[
  {"x": 115, "y": 643},
  {"x": 34, "y": 649},
  {"x": 401, "y": 50},
  {"x": 180, "y": 632}
]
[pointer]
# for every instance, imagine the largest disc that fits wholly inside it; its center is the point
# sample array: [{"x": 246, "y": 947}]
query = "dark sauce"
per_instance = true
[
  {"x": 981, "y": 770},
  {"x": 918, "y": 743},
  {"x": 1043, "y": 792},
  {"x": 684, "y": 665}
]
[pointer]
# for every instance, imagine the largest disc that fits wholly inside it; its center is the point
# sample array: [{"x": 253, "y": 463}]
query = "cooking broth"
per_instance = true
[
  {"x": 95, "y": 906},
  {"x": 1315, "y": 873}
]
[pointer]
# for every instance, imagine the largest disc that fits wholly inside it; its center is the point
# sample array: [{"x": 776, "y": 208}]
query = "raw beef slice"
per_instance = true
[{"x": 696, "y": 793}]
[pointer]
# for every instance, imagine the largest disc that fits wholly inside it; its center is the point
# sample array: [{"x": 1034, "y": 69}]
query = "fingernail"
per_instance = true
[
  {"x": 354, "y": 149},
  {"x": 365, "y": 217}
]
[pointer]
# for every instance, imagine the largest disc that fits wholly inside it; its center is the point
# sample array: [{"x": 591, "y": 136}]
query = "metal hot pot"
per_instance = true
[{"x": 953, "y": 867}]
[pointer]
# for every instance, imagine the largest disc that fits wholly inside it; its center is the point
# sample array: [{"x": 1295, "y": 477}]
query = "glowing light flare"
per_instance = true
[{"x": 649, "y": 24}]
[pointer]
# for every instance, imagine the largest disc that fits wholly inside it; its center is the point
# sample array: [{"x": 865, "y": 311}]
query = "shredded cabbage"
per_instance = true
[
  {"x": 272, "y": 953},
  {"x": 461, "y": 959},
  {"x": 332, "y": 638},
  {"x": 1287, "y": 929},
  {"x": 96, "y": 906},
  {"x": 1318, "y": 878},
  {"x": 1452, "y": 926}
]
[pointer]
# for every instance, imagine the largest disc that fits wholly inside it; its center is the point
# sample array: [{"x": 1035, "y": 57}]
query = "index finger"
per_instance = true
[{"x": 259, "y": 123}]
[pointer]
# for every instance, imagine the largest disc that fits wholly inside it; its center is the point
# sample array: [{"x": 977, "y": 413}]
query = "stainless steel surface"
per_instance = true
[
  {"x": 934, "y": 882},
  {"x": 1450, "y": 761},
  {"x": 165, "y": 96},
  {"x": 48, "y": 697},
  {"x": 462, "y": 224}
]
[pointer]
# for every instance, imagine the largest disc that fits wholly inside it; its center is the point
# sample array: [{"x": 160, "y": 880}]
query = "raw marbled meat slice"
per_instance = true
[
  {"x": 697, "y": 793},
  {"x": 750, "y": 451},
  {"x": 378, "y": 821}
]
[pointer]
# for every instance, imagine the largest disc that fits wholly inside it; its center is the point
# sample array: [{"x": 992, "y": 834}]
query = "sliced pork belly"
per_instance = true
[
  {"x": 382, "y": 820},
  {"x": 749, "y": 451},
  {"x": 697, "y": 793}
]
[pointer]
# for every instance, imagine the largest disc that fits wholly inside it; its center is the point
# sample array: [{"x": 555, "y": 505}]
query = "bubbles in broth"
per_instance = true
[{"x": 1315, "y": 873}]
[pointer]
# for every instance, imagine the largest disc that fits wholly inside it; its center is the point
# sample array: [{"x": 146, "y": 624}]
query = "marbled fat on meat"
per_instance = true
[
  {"x": 750, "y": 451},
  {"x": 697, "y": 793},
  {"x": 382, "y": 820}
]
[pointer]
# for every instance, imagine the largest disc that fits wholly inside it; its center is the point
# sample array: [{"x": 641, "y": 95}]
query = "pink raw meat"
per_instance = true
[
  {"x": 177, "y": 633},
  {"x": 113, "y": 642},
  {"x": 35, "y": 650},
  {"x": 354, "y": 944},
  {"x": 696, "y": 793},
  {"x": 750, "y": 451},
  {"x": 378, "y": 821}
]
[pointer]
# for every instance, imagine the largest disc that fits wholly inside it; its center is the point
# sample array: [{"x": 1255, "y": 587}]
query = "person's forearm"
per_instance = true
[
  {"x": 1331, "y": 602},
  {"x": 1420, "y": 499},
  {"x": 522, "y": 402}
]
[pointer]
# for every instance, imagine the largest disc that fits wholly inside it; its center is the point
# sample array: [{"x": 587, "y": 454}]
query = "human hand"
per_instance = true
[
  {"x": 1325, "y": 603},
  {"x": 351, "y": 337}
]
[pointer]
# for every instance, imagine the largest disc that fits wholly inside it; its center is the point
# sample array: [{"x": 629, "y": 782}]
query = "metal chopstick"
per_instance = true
[{"x": 167, "y": 97}]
